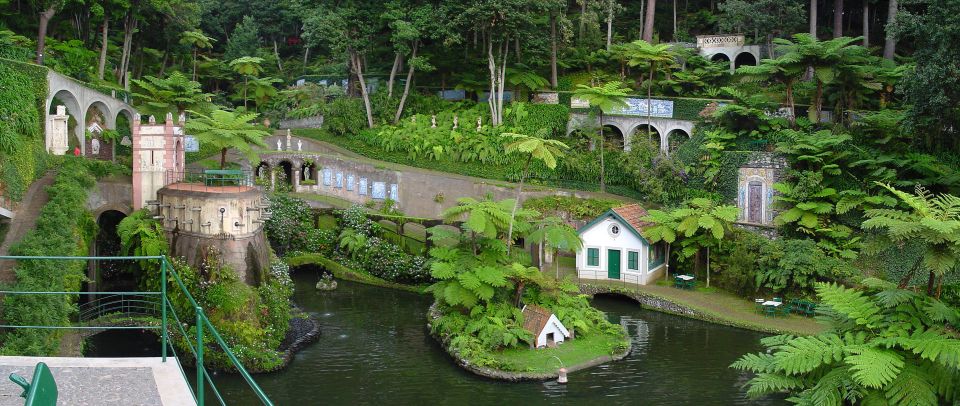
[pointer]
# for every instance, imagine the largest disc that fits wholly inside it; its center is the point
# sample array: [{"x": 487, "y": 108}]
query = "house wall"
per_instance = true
[{"x": 598, "y": 236}]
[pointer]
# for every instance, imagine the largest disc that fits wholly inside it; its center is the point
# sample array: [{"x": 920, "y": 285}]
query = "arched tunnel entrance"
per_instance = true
[{"x": 109, "y": 275}]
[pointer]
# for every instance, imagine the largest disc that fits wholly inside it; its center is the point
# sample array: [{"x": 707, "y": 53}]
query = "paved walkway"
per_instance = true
[
  {"x": 102, "y": 381},
  {"x": 25, "y": 219}
]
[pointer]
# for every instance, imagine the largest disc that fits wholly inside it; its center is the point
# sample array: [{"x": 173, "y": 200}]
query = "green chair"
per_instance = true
[
  {"x": 810, "y": 310},
  {"x": 785, "y": 309},
  {"x": 41, "y": 391},
  {"x": 770, "y": 311},
  {"x": 678, "y": 283}
]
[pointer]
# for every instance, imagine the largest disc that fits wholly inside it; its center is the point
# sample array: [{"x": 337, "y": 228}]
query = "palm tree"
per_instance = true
[
  {"x": 246, "y": 66},
  {"x": 197, "y": 40},
  {"x": 821, "y": 56},
  {"x": 642, "y": 53},
  {"x": 786, "y": 70},
  {"x": 534, "y": 147},
  {"x": 606, "y": 97},
  {"x": 557, "y": 235},
  {"x": 664, "y": 228},
  {"x": 701, "y": 222},
  {"x": 225, "y": 130},
  {"x": 175, "y": 93},
  {"x": 484, "y": 217},
  {"x": 933, "y": 221},
  {"x": 263, "y": 89}
]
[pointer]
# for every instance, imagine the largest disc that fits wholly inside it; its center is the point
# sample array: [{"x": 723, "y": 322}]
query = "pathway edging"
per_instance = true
[{"x": 664, "y": 305}]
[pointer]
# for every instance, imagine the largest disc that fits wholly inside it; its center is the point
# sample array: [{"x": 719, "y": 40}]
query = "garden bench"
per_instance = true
[{"x": 221, "y": 177}]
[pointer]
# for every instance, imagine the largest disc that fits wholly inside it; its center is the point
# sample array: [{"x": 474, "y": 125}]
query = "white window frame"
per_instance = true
[{"x": 586, "y": 257}]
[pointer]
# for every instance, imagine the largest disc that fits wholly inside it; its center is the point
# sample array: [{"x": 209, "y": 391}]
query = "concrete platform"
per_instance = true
[{"x": 102, "y": 381}]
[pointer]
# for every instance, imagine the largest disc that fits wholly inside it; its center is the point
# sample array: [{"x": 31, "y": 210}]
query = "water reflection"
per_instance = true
[{"x": 374, "y": 349}]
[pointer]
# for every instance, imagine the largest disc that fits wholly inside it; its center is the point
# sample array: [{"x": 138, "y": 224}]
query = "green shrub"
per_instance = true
[{"x": 64, "y": 228}]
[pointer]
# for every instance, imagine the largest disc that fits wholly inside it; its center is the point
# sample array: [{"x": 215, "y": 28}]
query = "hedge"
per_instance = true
[
  {"x": 23, "y": 93},
  {"x": 64, "y": 228}
]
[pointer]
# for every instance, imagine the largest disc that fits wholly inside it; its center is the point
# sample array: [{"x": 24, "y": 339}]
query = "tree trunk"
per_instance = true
[
  {"x": 813, "y": 18},
  {"x": 603, "y": 186},
  {"x": 130, "y": 25},
  {"x": 609, "y": 23},
  {"x": 583, "y": 13},
  {"x": 393, "y": 74},
  {"x": 497, "y": 78},
  {"x": 818, "y": 102},
  {"x": 45, "y": 17},
  {"x": 306, "y": 57},
  {"x": 406, "y": 86},
  {"x": 355, "y": 59},
  {"x": 666, "y": 262},
  {"x": 837, "y": 18},
  {"x": 516, "y": 204},
  {"x": 245, "y": 92},
  {"x": 643, "y": 14},
  {"x": 890, "y": 46},
  {"x": 648, "y": 21},
  {"x": 866, "y": 24},
  {"x": 223, "y": 158},
  {"x": 276, "y": 54},
  {"x": 103, "y": 47},
  {"x": 194, "y": 63},
  {"x": 649, "y": 95},
  {"x": 708, "y": 267},
  {"x": 553, "y": 51},
  {"x": 793, "y": 111},
  {"x": 674, "y": 20},
  {"x": 931, "y": 283},
  {"x": 163, "y": 63}
]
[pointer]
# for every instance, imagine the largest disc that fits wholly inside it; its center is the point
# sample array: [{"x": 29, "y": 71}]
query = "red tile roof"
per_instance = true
[
  {"x": 633, "y": 213},
  {"x": 535, "y": 318}
]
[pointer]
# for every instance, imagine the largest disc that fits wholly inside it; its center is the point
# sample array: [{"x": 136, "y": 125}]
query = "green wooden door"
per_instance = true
[{"x": 613, "y": 264}]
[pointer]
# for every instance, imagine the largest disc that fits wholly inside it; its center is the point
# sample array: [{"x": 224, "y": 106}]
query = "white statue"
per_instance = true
[
  {"x": 456, "y": 122},
  {"x": 95, "y": 146},
  {"x": 279, "y": 146},
  {"x": 306, "y": 173},
  {"x": 479, "y": 123},
  {"x": 289, "y": 145},
  {"x": 299, "y": 145},
  {"x": 413, "y": 119},
  {"x": 433, "y": 121}
]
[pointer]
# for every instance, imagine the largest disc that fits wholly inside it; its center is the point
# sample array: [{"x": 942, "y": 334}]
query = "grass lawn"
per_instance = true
[
  {"x": 327, "y": 222},
  {"x": 334, "y": 202},
  {"x": 713, "y": 302},
  {"x": 573, "y": 352}
]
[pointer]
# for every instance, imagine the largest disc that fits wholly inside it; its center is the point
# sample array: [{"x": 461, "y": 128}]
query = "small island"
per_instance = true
[{"x": 501, "y": 318}]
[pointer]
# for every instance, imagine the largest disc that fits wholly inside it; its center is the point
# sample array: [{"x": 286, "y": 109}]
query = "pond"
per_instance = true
[{"x": 374, "y": 349}]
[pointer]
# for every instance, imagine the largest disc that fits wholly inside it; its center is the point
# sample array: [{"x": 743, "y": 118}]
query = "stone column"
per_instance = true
[
  {"x": 296, "y": 180},
  {"x": 273, "y": 179}
]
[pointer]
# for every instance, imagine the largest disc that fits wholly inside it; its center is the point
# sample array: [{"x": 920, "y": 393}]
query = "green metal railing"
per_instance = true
[{"x": 149, "y": 304}]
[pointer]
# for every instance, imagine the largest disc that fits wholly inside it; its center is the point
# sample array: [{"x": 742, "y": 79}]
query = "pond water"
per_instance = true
[{"x": 374, "y": 349}]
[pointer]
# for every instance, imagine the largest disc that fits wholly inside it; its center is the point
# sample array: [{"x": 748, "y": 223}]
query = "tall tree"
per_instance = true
[
  {"x": 653, "y": 57},
  {"x": 767, "y": 19},
  {"x": 348, "y": 28},
  {"x": 648, "y": 21},
  {"x": 532, "y": 147},
  {"x": 890, "y": 42},
  {"x": 246, "y": 66},
  {"x": 175, "y": 94},
  {"x": 244, "y": 40},
  {"x": 557, "y": 235},
  {"x": 837, "y": 18},
  {"x": 46, "y": 10},
  {"x": 501, "y": 22},
  {"x": 932, "y": 88},
  {"x": 225, "y": 130},
  {"x": 607, "y": 97},
  {"x": 196, "y": 40},
  {"x": 933, "y": 221},
  {"x": 410, "y": 24},
  {"x": 813, "y": 18}
]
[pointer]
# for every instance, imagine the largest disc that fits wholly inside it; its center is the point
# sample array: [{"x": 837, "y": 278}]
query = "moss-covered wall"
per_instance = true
[{"x": 23, "y": 93}]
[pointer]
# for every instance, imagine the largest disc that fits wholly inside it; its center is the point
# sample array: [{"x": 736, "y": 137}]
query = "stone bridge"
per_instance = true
[
  {"x": 629, "y": 126},
  {"x": 79, "y": 99}
]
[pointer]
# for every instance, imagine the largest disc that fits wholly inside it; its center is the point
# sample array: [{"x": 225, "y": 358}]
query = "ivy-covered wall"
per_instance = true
[{"x": 23, "y": 92}]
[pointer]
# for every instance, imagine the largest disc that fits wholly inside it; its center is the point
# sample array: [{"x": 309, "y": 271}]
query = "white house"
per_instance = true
[
  {"x": 546, "y": 327},
  {"x": 614, "y": 248}
]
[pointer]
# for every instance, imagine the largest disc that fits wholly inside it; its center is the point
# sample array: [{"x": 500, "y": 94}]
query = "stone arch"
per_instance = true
[
  {"x": 262, "y": 170},
  {"x": 308, "y": 171},
  {"x": 639, "y": 132},
  {"x": 675, "y": 137},
  {"x": 287, "y": 168},
  {"x": 127, "y": 114},
  {"x": 613, "y": 136},
  {"x": 720, "y": 57},
  {"x": 108, "y": 275},
  {"x": 745, "y": 58},
  {"x": 108, "y": 118},
  {"x": 69, "y": 100}
]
